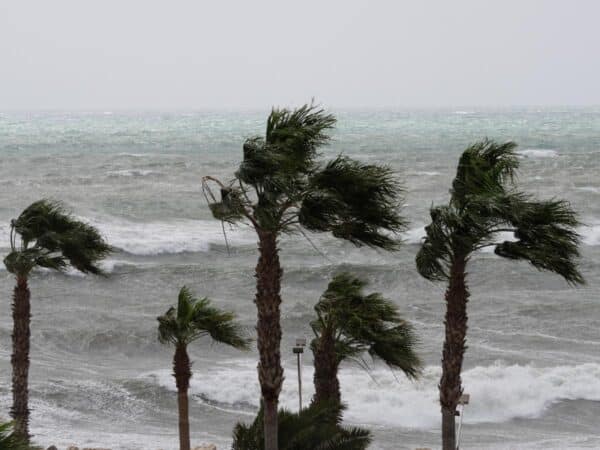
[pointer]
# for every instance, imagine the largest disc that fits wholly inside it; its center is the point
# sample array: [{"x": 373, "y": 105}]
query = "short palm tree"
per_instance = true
[
  {"x": 280, "y": 188},
  {"x": 9, "y": 440},
  {"x": 192, "y": 319},
  {"x": 317, "y": 427},
  {"x": 483, "y": 204},
  {"x": 350, "y": 324},
  {"x": 44, "y": 235}
]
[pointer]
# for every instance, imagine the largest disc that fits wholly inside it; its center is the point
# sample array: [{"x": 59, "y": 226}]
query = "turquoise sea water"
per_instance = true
[{"x": 99, "y": 376}]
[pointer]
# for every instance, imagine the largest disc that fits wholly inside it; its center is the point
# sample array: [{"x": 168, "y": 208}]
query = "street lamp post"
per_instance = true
[{"x": 298, "y": 350}]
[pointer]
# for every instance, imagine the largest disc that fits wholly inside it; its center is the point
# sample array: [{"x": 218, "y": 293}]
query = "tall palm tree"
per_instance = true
[
  {"x": 44, "y": 235},
  {"x": 350, "y": 324},
  {"x": 192, "y": 319},
  {"x": 280, "y": 188},
  {"x": 483, "y": 204}
]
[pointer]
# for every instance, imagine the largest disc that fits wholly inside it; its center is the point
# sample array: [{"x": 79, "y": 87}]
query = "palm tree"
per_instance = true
[
  {"x": 192, "y": 319},
  {"x": 44, "y": 235},
  {"x": 484, "y": 203},
  {"x": 317, "y": 427},
  {"x": 9, "y": 440},
  {"x": 280, "y": 188},
  {"x": 350, "y": 324}
]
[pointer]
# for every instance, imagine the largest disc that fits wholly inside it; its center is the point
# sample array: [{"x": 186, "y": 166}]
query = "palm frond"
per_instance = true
[
  {"x": 365, "y": 323},
  {"x": 356, "y": 202},
  {"x": 546, "y": 237},
  {"x": 484, "y": 202},
  {"x": 58, "y": 239},
  {"x": 318, "y": 427},
  {"x": 193, "y": 318},
  {"x": 11, "y": 441}
]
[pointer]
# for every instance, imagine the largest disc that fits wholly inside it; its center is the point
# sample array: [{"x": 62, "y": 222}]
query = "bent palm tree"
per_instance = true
[
  {"x": 350, "y": 324},
  {"x": 483, "y": 204},
  {"x": 280, "y": 188},
  {"x": 192, "y": 319},
  {"x": 53, "y": 239}
]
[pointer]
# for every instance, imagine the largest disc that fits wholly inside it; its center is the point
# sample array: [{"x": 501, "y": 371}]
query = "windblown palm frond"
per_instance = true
[
  {"x": 317, "y": 427},
  {"x": 484, "y": 204},
  {"x": 280, "y": 186},
  {"x": 354, "y": 201},
  {"x": 365, "y": 324},
  {"x": 54, "y": 239},
  {"x": 194, "y": 318},
  {"x": 9, "y": 440}
]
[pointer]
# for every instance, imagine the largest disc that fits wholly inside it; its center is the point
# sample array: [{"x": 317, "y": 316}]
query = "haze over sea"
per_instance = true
[{"x": 99, "y": 377}]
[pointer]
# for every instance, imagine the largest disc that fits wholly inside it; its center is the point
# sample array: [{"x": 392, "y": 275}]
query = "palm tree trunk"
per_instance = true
[
  {"x": 182, "y": 373},
  {"x": 21, "y": 310},
  {"x": 457, "y": 296},
  {"x": 268, "y": 300},
  {"x": 327, "y": 385}
]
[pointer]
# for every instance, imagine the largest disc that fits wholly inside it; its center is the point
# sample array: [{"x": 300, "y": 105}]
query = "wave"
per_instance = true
[
  {"x": 176, "y": 236},
  {"x": 499, "y": 393},
  {"x": 595, "y": 190},
  {"x": 414, "y": 235},
  {"x": 590, "y": 235},
  {"x": 538, "y": 153},
  {"x": 132, "y": 173}
]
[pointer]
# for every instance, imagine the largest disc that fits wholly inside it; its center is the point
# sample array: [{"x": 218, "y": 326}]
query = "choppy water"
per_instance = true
[{"x": 99, "y": 376}]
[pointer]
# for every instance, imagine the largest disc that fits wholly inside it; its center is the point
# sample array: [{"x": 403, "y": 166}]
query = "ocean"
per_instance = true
[{"x": 99, "y": 377}]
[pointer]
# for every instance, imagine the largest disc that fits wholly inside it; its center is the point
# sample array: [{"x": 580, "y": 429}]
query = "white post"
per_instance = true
[
  {"x": 298, "y": 350},
  {"x": 464, "y": 400}
]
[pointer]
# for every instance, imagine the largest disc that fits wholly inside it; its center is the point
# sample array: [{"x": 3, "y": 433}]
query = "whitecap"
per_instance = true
[
  {"x": 414, "y": 235},
  {"x": 590, "y": 235},
  {"x": 538, "y": 153},
  {"x": 168, "y": 237},
  {"x": 499, "y": 393},
  {"x": 132, "y": 173}
]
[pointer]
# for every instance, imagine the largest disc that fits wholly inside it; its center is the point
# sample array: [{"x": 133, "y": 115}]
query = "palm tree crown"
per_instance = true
[
  {"x": 485, "y": 203},
  {"x": 194, "y": 318},
  {"x": 52, "y": 238},
  {"x": 365, "y": 324},
  {"x": 280, "y": 186}
]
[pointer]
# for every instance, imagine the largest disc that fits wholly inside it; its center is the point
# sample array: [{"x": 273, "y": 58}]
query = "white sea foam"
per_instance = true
[
  {"x": 132, "y": 173},
  {"x": 498, "y": 392},
  {"x": 414, "y": 235},
  {"x": 538, "y": 153},
  {"x": 593, "y": 189},
  {"x": 590, "y": 234},
  {"x": 176, "y": 236},
  {"x": 425, "y": 173}
]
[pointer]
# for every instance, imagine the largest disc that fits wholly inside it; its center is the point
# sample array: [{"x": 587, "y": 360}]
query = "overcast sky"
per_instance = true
[{"x": 109, "y": 54}]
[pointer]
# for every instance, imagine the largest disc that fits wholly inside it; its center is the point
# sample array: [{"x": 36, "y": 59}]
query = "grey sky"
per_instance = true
[{"x": 109, "y": 54}]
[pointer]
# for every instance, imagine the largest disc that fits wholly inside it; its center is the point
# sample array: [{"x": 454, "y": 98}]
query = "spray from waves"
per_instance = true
[{"x": 499, "y": 392}]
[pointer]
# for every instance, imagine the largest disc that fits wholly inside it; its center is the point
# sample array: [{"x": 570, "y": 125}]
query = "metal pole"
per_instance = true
[
  {"x": 463, "y": 401},
  {"x": 299, "y": 382},
  {"x": 298, "y": 350}
]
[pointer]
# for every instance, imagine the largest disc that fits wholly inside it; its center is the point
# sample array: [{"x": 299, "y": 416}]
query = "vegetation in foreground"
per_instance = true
[{"x": 318, "y": 427}]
